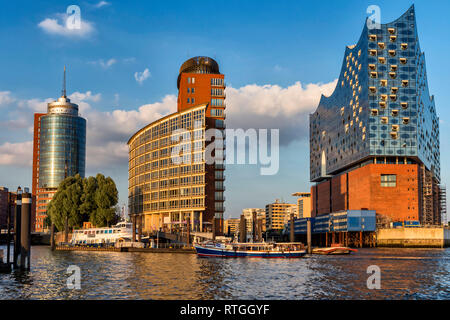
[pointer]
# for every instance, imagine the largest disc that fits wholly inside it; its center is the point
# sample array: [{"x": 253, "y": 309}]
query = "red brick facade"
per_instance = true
[{"x": 361, "y": 189}]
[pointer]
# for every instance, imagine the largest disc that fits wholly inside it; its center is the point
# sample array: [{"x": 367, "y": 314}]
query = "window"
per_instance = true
[
  {"x": 403, "y": 60},
  {"x": 404, "y": 105},
  {"x": 404, "y": 46},
  {"x": 392, "y": 53},
  {"x": 381, "y": 45},
  {"x": 388, "y": 180}
]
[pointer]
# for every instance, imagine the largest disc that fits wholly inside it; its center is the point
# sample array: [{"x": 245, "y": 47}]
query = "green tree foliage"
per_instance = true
[
  {"x": 80, "y": 200},
  {"x": 105, "y": 198}
]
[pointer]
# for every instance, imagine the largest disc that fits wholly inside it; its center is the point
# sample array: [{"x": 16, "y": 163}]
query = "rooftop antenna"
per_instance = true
[{"x": 64, "y": 84}]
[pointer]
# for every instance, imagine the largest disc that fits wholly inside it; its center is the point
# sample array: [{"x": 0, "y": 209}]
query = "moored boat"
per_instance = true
[
  {"x": 107, "y": 236},
  {"x": 336, "y": 248},
  {"x": 250, "y": 250}
]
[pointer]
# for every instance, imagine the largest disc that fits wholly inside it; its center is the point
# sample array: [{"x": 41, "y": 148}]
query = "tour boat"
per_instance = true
[
  {"x": 336, "y": 248},
  {"x": 250, "y": 250},
  {"x": 102, "y": 236}
]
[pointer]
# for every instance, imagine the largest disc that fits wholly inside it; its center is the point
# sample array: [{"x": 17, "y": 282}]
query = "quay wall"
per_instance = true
[{"x": 413, "y": 237}]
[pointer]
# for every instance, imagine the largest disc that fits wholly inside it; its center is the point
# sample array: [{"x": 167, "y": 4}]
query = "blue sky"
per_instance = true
[{"x": 264, "y": 48}]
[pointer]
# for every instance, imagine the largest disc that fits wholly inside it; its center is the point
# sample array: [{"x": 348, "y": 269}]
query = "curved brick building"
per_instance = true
[
  {"x": 165, "y": 194},
  {"x": 374, "y": 143}
]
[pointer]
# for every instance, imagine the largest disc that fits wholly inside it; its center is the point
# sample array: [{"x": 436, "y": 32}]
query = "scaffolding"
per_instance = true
[{"x": 443, "y": 202}]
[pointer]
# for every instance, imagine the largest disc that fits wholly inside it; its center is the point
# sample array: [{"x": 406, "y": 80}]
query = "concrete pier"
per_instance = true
[{"x": 437, "y": 237}]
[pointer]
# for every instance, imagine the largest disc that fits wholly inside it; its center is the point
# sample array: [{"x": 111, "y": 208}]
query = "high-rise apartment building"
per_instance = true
[
  {"x": 169, "y": 194},
  {"x": 303, "y": 204},
  {"x": 59, "y": 151},
  {"x": 374, "y": 143},
  {"x": 276, "y": 214}
]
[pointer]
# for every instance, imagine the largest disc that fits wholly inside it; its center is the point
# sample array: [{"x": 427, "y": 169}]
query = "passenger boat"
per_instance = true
[
  {"x": 102, "y": 236},
  {"x": 336, "y": 248},
  {"x": 250, "y": 250}
]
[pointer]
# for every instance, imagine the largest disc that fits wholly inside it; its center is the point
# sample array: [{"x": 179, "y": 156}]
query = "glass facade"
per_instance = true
[
  {"x": 169, "y": 190},
  {"x": 381, "y": 106},
  {"x": 62, "y": 145}
]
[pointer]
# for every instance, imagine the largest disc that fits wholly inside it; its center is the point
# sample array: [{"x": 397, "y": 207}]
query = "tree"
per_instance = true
[
  {"x": 106, "y": 197},
  {"x": 64, "y": 208},
  {"x": 79, "y": 200}
]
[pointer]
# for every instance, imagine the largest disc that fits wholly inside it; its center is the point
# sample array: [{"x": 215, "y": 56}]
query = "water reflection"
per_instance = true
[{"x": 405, "y": 274}]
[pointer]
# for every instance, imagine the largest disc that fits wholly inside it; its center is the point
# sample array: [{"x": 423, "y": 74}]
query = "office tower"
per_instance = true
[
  {"x": 374, "y": 143},
  {"x": 59, "y": 151},
  {"x": 168, "y": 195}
]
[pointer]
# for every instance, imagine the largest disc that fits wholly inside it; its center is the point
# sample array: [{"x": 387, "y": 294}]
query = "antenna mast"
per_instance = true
[{"x": 64, "y": 84}]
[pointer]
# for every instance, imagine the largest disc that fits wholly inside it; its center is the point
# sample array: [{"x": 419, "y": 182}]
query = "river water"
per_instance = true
[{"x": 405, "y": 274}]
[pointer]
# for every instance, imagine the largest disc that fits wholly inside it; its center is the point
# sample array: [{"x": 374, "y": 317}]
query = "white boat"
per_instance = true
[{"x": 102, "y": 236}]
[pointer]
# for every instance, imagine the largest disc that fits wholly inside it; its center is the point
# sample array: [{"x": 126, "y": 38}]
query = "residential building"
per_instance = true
[
  {"x": 231, "y": 226},
  {"x": 303, "y": 204},
  {"x": 7, "y": 204},
  {"x": 168, "y": 192},
  {"x": 276, "y": 214},
  {"x": 259, "y": 214}
]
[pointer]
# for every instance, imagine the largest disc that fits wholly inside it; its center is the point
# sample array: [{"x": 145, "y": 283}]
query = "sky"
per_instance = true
[{"x": 278, "y": 57}]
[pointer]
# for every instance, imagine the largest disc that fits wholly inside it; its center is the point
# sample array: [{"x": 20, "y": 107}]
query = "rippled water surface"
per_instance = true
[{"x": 405, "y": 274}]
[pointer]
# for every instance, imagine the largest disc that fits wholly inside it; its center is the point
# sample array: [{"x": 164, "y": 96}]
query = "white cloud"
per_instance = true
[
  {"x": 57, "y": 26},
  {"x": 251, "y": 106},
  {"x": 16, "y": 154},
  {"x": 142, "y": 76},
  {"x": 104, "y": 64},
  {"x": 34, "y": 104},
  {"x": 108, "y": 132},
  {"x": 102, "y": 4},
  {"x": 5, "y": 98},
  {"x": 271, "y": 106}
]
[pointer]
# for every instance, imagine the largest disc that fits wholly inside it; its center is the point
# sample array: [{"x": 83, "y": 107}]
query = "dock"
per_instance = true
[{"x": 126, "y": 249}]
